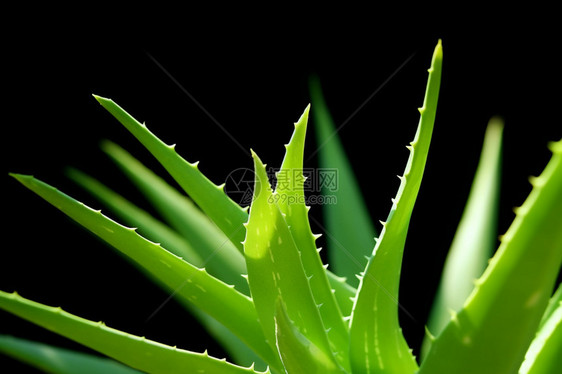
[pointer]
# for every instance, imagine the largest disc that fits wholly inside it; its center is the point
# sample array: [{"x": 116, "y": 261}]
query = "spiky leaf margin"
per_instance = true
[{"x": 377, "y": 343}]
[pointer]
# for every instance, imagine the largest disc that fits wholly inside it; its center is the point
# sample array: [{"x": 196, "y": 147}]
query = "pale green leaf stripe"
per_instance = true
[
  {"x": 298, "y": 354},
  {"x": 512, "y": 294},
  {"x": 275, "y": 270},
  {"x": 55, "y": 360},
  {"x": 228, "y": 215},
  {"x": 348, "y": 222},
  {"x": 158, "y": 232},
  {"x": 377, "y": 344},
  {"x": 291, "y": 201},
  {"x": 552, "y": 305},
  {"x": 211, "y": 198},
  {"x": 475, "y": 240},
  {"x": 220, "y": 256},
  {"x": 219, "y": 300},
  {"x": 545, "y": 353},
  {"x": 136, "y": 352}
]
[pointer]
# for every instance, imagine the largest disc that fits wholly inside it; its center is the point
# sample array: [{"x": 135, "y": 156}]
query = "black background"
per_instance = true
[{"x": 250, "y": 75}]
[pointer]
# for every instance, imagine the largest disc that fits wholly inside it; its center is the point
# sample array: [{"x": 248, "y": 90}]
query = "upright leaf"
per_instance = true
[
  {"x": 299, "y": 355},
  {"x": 222, "y": 210},
  {"x": 350, "y": 231},
  {"x": 290, "y": 196},
  {"x": 275, "y": 270},
  {"x": 498, "y": 322},
  {"x": 475, "y": 240},
  {"x": 377, "y": 343}
]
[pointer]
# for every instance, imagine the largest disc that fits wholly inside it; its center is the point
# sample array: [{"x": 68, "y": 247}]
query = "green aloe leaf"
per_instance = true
[
  {"x": 275, "y": 269},
  {"x": 377, "y": 344},
  {"x": 498, "y": 322},
  {"x": 211, "y": 198},
  {"x": 51, "y": 359},
  {"x": 290, "y": 197},
  {"x": 220, "y": 301},
  {"x": 298, "y": 354},
  {"x": 349, "y": 228},
  {"x": 220, "y": 256},
  {"x": 545, "y": 353},
  {"x": 343, "y": 292},
  {"x": 222, "y": 210},
  {"x": 133, "y": 216},
  {"x": 475, "y": 240},
  {"x": 552, "y": 305},
  {"x": 156, "y": 231},
  {"x": 136, "y": 352}
]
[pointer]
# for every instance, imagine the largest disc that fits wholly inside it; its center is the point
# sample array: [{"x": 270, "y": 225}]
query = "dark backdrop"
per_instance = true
[{"x": 249, "y": 76}]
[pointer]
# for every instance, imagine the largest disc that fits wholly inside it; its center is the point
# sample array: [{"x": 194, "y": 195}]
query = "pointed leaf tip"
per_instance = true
[
  {"x": 100, "y": 99},
  {"x": 253, "y": 153}
]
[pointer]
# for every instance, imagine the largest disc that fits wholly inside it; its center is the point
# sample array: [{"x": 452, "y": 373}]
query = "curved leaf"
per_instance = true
[
  {"x": 290, "y": 197},
  {"x": 222, "y": 210},
  {"x": 343, "y": 292},
  {"x": 552, "y": 305},
  {"x": 156, "y": 231},
  {"x": 475, "y": 240},
  {"x": 220, "y": 256},
  {"x": 137, "y": 352},
  {"x": 498, "y": 322},
  {"x": 133, "y": 216},
  {"x": 275, "y": 269},
  {"x": 228, "y": 215},
  {"x": 50, "y": 359},
  {"x": 298, "y": 354},
  {"x": 545, "y": 353},
  {"x": 219, "y": 300},
  {"x": 377, "y": 343}
]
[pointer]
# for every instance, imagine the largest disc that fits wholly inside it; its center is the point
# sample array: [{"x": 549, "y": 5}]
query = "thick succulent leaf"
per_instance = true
[
  {"x": 136, "y": 352},
  {"x": 497, "y": 323},
  {"x": 275, "y": 269},
  {"x": 156, "y": 231},
  {"x": 475, "y": 240},
  {"x": 211, "y": 198},
  {"x": 298, "y": 354},
  {"x": 348, "y": 222},
  {"x": 291, "y": 201},
  {"x": 237, "y": 350},
  {"x": 51, "y": 359},
  {"x": 219, "y": 300},
  {"x": 545, "y": 353},
  {"x": 220, "y": 256},
  {"x": 222, "y": 210},
  {"x": 377, "y": 343},
  {"x": 133, "y": 216},
  {"x": 343, "y": 292},
  {"x": 552, "y": 305}
]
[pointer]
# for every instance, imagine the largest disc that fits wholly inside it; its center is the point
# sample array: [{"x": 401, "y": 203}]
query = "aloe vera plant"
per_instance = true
[{"x": 255, "y": 279}]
